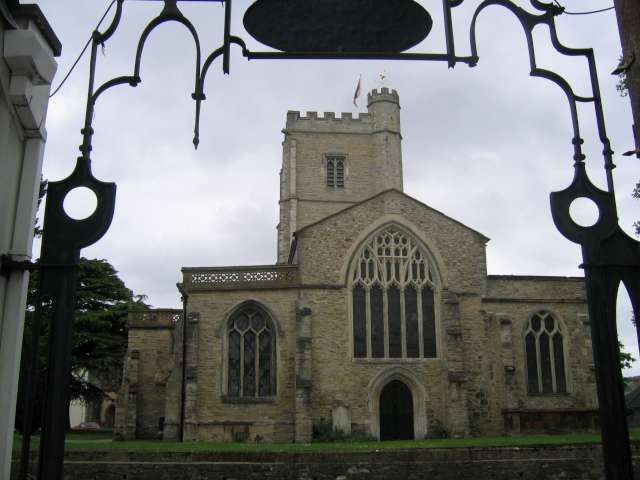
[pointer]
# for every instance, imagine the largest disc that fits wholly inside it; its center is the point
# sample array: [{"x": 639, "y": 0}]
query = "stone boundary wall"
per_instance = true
[{"x": 553, "y": 462}]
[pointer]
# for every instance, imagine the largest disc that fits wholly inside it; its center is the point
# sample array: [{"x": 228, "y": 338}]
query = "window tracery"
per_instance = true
[
  {"x": 544, "y": 355},
  {"x": 393, "y": 298},
  {"x": 251, "y": 354}
]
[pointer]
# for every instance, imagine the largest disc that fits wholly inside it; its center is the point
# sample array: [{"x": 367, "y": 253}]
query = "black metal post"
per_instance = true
[
  {"x": 602, "y": 296},
  {"x": 30, "y": 384},
  {"x": 56, "y": 411}
]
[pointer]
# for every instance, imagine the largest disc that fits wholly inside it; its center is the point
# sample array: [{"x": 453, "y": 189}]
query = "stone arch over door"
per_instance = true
[{"x": 418, "y": 396}]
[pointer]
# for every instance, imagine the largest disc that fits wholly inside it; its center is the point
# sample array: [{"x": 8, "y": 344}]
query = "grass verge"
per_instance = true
[{"x": 102, "y": 441}]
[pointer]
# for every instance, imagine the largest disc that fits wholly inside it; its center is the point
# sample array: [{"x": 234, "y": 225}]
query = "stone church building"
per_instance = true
[{"x": 378, "y": 317}]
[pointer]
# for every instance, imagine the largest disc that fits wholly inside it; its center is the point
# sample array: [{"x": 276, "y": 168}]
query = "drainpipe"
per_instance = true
[{"x": 183, "y": 386}]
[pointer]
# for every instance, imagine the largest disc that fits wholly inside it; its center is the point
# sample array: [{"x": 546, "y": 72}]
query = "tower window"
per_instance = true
[
  {"x": 544, "y": 354},
  {"x": 335, "y": 171}
]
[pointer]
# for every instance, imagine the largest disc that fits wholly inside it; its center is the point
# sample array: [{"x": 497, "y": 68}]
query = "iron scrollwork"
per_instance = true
[{"x": 610, "y": 257}]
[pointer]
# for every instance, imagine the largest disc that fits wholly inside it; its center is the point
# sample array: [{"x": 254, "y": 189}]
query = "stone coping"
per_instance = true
[{"x": 539, "y": 278}]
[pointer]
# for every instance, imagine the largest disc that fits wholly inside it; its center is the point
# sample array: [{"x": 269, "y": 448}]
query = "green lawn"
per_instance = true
[{"x": 102, "y": 441}]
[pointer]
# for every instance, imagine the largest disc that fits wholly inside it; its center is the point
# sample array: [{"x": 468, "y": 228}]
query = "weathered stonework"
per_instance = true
[
  {"x": 140, "y": 408},
  {"x": 556, "y": 462},
  {"x": 475, "y": 383}
]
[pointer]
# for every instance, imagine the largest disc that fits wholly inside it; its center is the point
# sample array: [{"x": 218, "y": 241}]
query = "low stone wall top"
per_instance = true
[
  {"x": 551, "y": 462},
  {"x": 157, "y": 318}
]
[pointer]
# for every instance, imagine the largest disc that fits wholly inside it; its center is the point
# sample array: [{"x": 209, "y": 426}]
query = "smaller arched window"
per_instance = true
[
  {"x": 251, "y": 354},
  {"x": 544, "y": 352}
]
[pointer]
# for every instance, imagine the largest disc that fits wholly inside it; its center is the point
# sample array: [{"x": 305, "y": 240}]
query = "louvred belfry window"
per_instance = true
[
  {"x": 335, "y": 166},
  {"x": 544, "y": 354},
  {"x": 393, "y": 291},
  {"x": 251, "y": 354}
]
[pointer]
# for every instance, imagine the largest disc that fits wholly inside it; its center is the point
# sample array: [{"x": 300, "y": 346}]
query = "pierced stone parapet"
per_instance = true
[{"x": 230, "y": 278}]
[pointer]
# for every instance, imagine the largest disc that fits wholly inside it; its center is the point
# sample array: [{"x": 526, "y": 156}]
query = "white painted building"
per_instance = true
[{"x": 28, "y": 46}]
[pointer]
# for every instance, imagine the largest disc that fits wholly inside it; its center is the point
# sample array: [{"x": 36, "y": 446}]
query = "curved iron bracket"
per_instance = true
[
  {"x": 581, "y": 187},
  {"x": 610, "y": 257}
]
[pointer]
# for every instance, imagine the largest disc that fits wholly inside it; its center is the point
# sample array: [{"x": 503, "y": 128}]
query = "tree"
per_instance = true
[
  {"x": 99, "y": 333},
  {"x": 626, "y": 359},
  {"x": 44, "y": 184}
]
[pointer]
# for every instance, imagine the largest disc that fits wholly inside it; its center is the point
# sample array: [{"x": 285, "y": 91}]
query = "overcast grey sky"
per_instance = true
[{"x": 484, "y": 145}]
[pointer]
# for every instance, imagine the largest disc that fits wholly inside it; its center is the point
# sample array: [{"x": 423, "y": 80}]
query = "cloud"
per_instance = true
[{"x": 485, "y": 145}]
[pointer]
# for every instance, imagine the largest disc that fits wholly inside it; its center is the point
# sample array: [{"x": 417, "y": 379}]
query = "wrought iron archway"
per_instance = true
[{"x": 610, "y": 257}]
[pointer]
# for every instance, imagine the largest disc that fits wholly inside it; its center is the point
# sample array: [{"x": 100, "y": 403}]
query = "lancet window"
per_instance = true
[
  {"x": 251, "y": 354},
  {"x": 335, "y": 166},
  {"x": 544, "y": 351},
  {"x": 393, "y": 292}
]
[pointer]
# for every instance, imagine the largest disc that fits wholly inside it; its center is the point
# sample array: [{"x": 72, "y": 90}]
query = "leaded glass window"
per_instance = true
[
  {"x": 335, "y": 167},
  {"x": 544, "y": 354},
  {"x": 393, "y": 298},
  {"x": 251, "y": 354}
]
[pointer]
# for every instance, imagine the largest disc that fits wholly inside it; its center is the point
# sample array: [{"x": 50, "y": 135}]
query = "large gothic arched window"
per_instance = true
[
  {"x": 393, "y": 287},
  {"x": 251, "y": 353},
  {"x": 544, "y": 352}
]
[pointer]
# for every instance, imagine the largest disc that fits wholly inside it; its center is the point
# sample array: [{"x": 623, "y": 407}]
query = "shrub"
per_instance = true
[
  {"x": 437, "y": 430},
  {"x": 323, "y": 431}
]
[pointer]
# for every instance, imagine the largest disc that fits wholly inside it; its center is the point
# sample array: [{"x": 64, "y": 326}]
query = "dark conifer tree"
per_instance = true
[{"x": 99, "y": 334}]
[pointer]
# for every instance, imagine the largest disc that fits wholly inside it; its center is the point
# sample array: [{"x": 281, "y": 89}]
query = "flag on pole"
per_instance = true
[{"x": 357, "y": 92}]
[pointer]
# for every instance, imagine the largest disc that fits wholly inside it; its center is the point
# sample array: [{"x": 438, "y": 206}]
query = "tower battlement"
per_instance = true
[
  {"x": 312, "y": 117},
  {"x": 330, "y": 162},
  {"x": 384, "y": 94},
  {"x": 387, "y": 100}
]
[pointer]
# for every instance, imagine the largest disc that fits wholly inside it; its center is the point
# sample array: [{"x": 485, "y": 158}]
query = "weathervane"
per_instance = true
[
  {"x": 382, "y": 77},
  {"x": 350, "y": 30}
]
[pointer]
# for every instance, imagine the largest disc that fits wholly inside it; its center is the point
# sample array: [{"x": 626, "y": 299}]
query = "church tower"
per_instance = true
[{"x": 330, "y": 163}]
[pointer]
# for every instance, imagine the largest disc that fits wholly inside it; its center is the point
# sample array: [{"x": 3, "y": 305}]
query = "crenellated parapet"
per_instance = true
[
  {"x": 294, "y": 116},
  {"x": 384, "y": 94},
  {"x": 331, "y": 122}
]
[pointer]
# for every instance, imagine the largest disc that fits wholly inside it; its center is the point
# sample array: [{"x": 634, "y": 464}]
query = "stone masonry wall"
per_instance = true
[
  {"x": 340, "y": 380},
  {"x": 371, "y": 145},
  {"x": 325, "y": 249},
  {"x": 506, "y": 312},
  {"x": 218, "y": 418},
  {"x": 150, "y": 348},
  {"x": 479, "y": 373},
  {"x": 557, "y": 462}
]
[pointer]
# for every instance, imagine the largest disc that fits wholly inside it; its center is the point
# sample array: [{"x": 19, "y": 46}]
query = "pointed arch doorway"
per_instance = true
[{"x": 396, "y": 412}]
